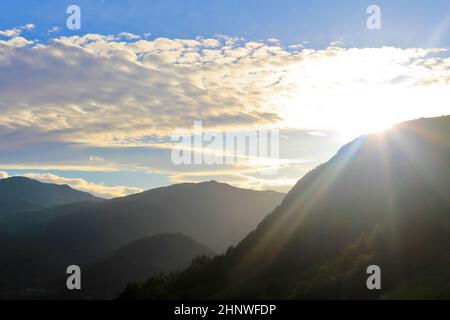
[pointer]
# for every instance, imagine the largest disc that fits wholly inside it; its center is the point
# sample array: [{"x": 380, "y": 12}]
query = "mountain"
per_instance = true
[
  {"x": 383, "y": 200},
  {"x": 137, "y": 261},
  {"x": 19, "y": 194},
  {"x": 36, "y": 247}
]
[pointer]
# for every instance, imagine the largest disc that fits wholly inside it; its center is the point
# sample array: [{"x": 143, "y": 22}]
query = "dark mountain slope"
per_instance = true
[
  {"x": 217, "y": 214},
  {"x": 36, "y": 247},
  {"x": 137, "y": 261},
  {"x": 383, "y": 199},
  {"x": 19, "y": 194}
]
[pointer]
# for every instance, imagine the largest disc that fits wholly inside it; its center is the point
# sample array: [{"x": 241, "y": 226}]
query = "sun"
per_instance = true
[{"x": 353, "y": 128}]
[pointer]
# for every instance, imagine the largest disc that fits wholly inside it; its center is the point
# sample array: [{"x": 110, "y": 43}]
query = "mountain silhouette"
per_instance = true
[
  {"x": 19, "y": 194},
  {"x": 137, "y": 261},
  {"x": 382, "y": 200},
  {"x": 36, "y": 247}
]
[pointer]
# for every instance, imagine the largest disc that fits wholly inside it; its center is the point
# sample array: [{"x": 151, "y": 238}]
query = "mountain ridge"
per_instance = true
[
  {"x": 137, "y": 261},
  {"x": 382, "y": 199},
  {"x": 216, "y": 215},
  {"x": 18, "y": 194}
]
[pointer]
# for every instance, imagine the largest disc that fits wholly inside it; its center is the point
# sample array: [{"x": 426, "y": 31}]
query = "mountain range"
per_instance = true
[
  {"x": 136, "y": 262},
  {"x": 19, "y": 194},
  {"x": 382, "y": 200},
  {"x": 36, "y": 246}
]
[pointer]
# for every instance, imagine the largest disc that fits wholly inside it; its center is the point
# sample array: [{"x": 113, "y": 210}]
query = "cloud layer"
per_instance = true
[
  {"x": 103, "y": 90},
  {"x": 122, "y": 91},
  {"x": 3, "y": 174},
  {"x": 83, "y": 185}
]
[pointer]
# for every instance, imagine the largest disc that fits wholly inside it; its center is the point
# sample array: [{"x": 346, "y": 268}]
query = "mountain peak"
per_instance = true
[
  {"x": 382, "y": 200},
  {"x": 20, "y": 193},
  {"x": 17, "y": 179}
]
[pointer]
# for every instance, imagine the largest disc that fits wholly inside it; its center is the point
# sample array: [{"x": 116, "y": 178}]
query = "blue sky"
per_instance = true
[
  {"x": 405, "y": 23},
  {"x": 95, "y": 108}
]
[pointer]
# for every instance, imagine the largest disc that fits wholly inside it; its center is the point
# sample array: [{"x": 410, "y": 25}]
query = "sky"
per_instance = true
[{"x": 97, "y": 107}]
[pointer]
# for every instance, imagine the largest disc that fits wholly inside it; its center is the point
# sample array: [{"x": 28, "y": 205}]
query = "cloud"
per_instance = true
[
  {"x": 11, "y": 32},
  {"x": 95, "y": 158},
  {"x": 54, "y": 30},
  {"x": 127, "y": 36},
  {"x": 142, "y": 88},
  {"x": 281, "y": 184},
  {"x": 83, "y": 185},
  {"x": 317, "y": 133},
  {"x": 101, "y": 91},
  {"x": 29, "y": 26},
  {"x": 105, "y": 92},
  {"x": 17, "y": 31},
  {"x": 337, "y": 43},
  {"x": 3, "y": 174},
  {"x": 61, "y": 167}
]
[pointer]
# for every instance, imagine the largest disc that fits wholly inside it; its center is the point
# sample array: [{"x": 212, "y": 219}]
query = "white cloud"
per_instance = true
[
  {"x": 127, "y": 36},
  {"x": 281, "y": 184},
  {"x": 109, "y": 91},
  {"x": 122, "y": 92},
  {"x": 337, "y": 43},
  {"x": 17, "y": 31},
  {"x": 15, "y": 42},
  {"x": 54, "y": 30},
  {"x": 11, "y": 32},
  {"x": 317, "y": 133},
  {"x": 29, "y": 26},
  {"x": 95, "y": 158},
  {"x": 61, "y": 167},
  {"x": 142, "y": 88},
  {"x": 273, "y": 40},
  {"x": 80, "y": 184},
  {"x": 3, "y": 174}
]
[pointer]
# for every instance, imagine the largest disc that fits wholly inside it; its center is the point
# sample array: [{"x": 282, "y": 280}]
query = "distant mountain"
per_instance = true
[
  {"x": 382, "y": 200},
  {"x": 36, "y": 247},
  {"x": 19, "y": 194},
  {"x": 136, "y": 262}
]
